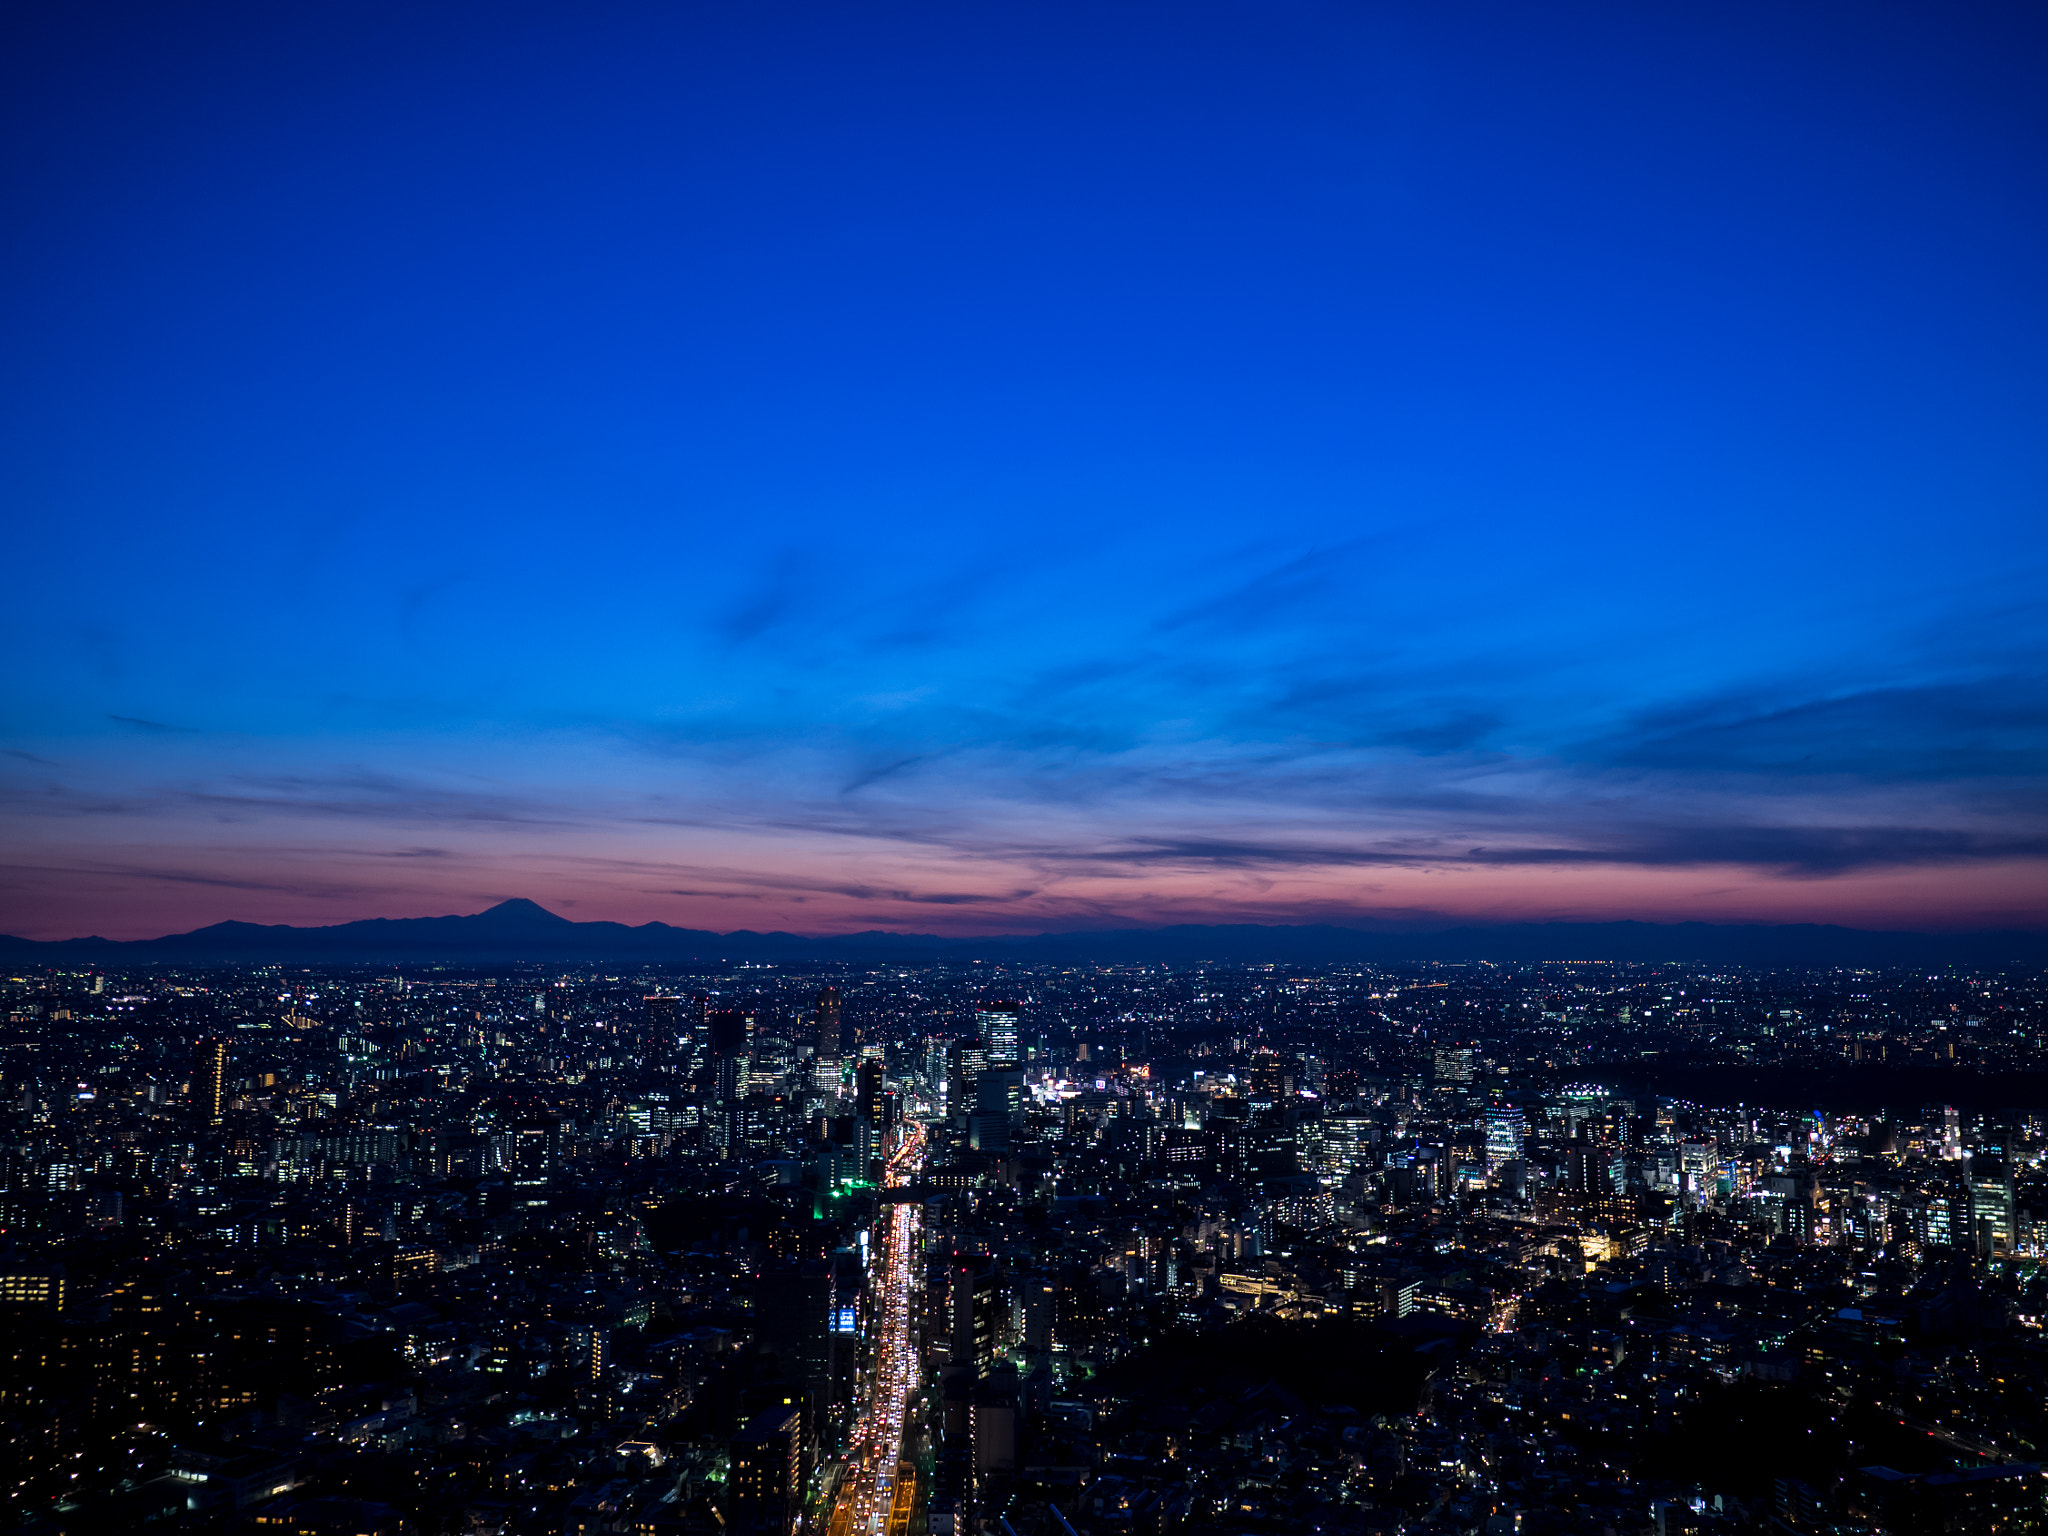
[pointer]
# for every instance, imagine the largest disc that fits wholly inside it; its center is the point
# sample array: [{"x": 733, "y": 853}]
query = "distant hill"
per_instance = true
[{"x": 521, "y": 931}]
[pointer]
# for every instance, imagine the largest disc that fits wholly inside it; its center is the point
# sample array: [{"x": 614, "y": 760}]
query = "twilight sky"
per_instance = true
[{"x": 998, "y": 467}]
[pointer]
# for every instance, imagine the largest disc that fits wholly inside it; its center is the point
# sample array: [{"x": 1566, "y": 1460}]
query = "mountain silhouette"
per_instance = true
[{"x": 519, "y": 931}]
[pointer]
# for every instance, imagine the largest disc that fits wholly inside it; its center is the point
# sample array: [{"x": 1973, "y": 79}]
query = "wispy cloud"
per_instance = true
[
  {"x": 171, "y": 874},
  {"x": 1994, "y": 727}
]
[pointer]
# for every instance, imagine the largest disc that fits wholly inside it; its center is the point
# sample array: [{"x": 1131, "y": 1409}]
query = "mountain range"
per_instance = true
[{"x": 519, "y": 931}]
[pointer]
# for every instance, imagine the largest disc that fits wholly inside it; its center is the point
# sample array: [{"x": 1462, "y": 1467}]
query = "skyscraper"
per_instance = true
[
  {"x": 729, "y": 1035},
  {"x": 1000, "y": 1025},
  {"x": 765, "y": 1481},
  {"x": 209, "y": 1081},
  {"x": 868, "y": 1093},
  {"x": 1593, "y": 1167},
  {"x": 965, "y": 1060},
  {"x": 1696, "y": 1170},
  {"x": 998, "y": 1107},
  {"x": 976, "y": 1293},
  {"x": 1506, "y": 1130},
  {"x": 1991, "y": 1204},
  {"x": 731, "y": 1032},
  {"x": 827, "y": 1015},
  {"x": 664, "y": 1035},
  {"x": 1268, "y": 1077},
  {"x": 830, "y": 1043}
]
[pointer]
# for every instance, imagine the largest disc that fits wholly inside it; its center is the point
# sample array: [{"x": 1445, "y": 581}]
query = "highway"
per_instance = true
[{"x": 870, "y": 1501}]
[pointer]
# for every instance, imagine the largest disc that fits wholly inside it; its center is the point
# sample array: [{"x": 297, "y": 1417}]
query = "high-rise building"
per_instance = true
[
  {"x": 965, "y": 1060},
  {"x": 975, "y": 1296},
  {"x": 1696, "y": 1173},
  {"x": 796, "y": 1321},
  {"x": 1269, "y": 1077},
  {"x": 1345, "y": 1145},
  {"x": 1991, "y": 1204},
  {"x": 729, "y": 1037},
  {"x": 1454, "y": 1064},
  {"x": 586, "y": 1348},
  {"x": 935, "y": 1064},
  {"x": 1594, "y": 1168},
  {"x": 732, "y": 1079},
  {"x": 23, "y": 1286},
  {"x": 998, "y": 1107},
  {"x": 868, "y": 1093},
  {"x": 1000, "y": 1028},
  {"x": 209, "y": 1081},
  {"x": 532, "y": 1152},
  {"x": 730, "y": 1031},
  {"x": 827, "y": 1016},
  {"x": 764, "y": 1486},
  {"x": 1507, "y": 1130},
  {"x": 1384, "y": 1298},
  {"x": 663, "y": 1042},
  {"x": 744, "y": 1124},
  {"x": 1936, "y": 1223}
]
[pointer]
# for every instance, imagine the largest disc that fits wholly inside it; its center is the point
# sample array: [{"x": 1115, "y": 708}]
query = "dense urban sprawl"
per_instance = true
[{"x": 934, "y": 1251}]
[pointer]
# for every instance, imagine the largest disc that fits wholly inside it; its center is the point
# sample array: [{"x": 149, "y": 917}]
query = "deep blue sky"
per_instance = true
[{"x": 1015, "y": 466}]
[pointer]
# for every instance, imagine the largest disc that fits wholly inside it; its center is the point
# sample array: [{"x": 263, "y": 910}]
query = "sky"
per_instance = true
[{"x": 989, "y": 467}]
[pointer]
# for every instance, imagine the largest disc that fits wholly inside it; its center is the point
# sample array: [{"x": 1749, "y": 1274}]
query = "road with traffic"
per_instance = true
[{"x": 877, "y": 1491}]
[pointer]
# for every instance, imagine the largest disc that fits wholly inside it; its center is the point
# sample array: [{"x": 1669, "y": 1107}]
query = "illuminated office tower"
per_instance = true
[
  {"x": 1268, "y": 1078},
  {"x": 1991, "y": 1204},
  {"x": 975, "y": 1295},
  {"x": 1696, "y": 1170},
  {"x": 828, "y": 1013},
  {"x": 209, "y": 1081},
  {"x": 664, "y": 1037},
  {"x": 828, "y": 1019},
  {"x": 730, "y": 1038},
  {"x": 867, "y": 1093},
  {"x": 1346, "y": 1140},
  {"x": 1454, "y": 1064},
  {"x": 998, "y": 1107},
  {"x": 764, "y": 1483},
  {"x": 965, "y": 1060},
  {"x": 1506, "y": 1131},
  {"x": 999, "y": 1026},
  {"x": 531, "y": 1152},
  {"x": 1594, "y": 1168},
  {"x": 1951, "y": 1135},
  {"x": 24, "y": 1286},
  {"x": 732, "y": 1053},
  {"x": 1936, "y": 1226}
]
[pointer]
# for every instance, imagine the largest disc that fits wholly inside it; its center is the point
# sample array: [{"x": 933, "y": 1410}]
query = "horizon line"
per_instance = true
[{"x": 1437, "y": 924}]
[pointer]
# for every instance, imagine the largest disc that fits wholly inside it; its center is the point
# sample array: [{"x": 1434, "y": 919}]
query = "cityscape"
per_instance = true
[
  {"x": 1088, "y": 1251},
  {"x": 1023, "y": 768}
]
